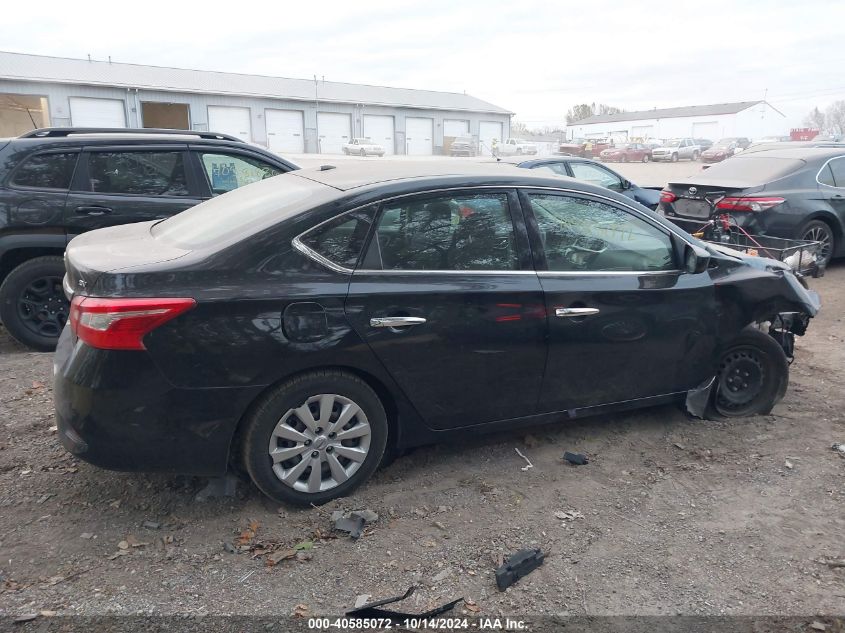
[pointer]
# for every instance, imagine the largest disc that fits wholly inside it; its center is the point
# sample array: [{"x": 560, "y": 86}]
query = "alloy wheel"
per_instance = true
[
  {"x": 42, "y": 306},
  {"x": 821, "y": 234},
  {"x": 320, "y": 444}
]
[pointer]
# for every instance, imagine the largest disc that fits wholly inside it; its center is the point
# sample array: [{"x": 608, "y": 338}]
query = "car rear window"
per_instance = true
[
  {"x": 756, "y": 169},
  {"x": 242, "y": 212},
  {"x": 46, "y": 171}
]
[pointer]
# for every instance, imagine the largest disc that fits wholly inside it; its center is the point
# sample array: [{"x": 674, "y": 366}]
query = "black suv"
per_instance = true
[{"x": 56, "y": 183}]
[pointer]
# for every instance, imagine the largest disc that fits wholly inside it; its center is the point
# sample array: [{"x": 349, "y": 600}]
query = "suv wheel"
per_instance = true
[
  {"x": 315, "y": 438},
  {"x": 33, "y": 306},
  {"x": 752, "y": 378},
  {"x": 674, "y": 158},
  {"x": 818, "y": 231},
  {"x": 695, "y": 155}
]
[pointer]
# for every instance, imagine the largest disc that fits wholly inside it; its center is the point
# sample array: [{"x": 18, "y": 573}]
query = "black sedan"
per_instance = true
[
  {"x": 787, "y": 193},
  {"x": 594, "y": 173},
  {"x": 306, "y": 325}
]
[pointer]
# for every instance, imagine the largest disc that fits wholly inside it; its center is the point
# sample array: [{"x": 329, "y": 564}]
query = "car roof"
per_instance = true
[{"x": 796, "y": 153}]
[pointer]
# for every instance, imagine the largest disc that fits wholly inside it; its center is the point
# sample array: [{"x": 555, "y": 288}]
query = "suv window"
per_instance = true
[
  {"x": 596, "y": 175},
  {"x": 457, "y": 232},
  {"x": 585, "y": 235},
  {"x": 226, "y": 172},
  {"x": 341, "y": 240},
  {"x": 46, "y": 171},
  {"x": 837, "y": 168},
  {"x": 146, "y": 173}
]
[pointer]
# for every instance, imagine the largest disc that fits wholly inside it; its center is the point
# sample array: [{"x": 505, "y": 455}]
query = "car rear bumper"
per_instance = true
[{"x": 116, "y": 410}]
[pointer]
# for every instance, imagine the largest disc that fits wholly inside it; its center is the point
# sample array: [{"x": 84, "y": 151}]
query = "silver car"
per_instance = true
[{"x": 676, "y": 149}]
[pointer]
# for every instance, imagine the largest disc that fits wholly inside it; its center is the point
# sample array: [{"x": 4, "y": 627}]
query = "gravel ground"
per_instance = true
[{"x": 671, "y": 516}]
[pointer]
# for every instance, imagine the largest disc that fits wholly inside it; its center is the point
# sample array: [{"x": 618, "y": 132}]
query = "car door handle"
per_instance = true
[
  {"x": 396, "y": 321},
  {"x": 93, "y": 210},
  {"x": 575, "y": 312}
]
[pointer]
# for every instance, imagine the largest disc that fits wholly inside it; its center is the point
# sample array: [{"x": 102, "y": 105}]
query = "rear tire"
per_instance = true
[
  {"x": 695, "y": 156},
  {"x": 645, "y": 158},
  {"x": 275, "y": 424},
  {"x": 674, "y": 158},
  {"x": 33, "y": 306},
  {"x": 820, "y": 231},
  {"x": 752, "y": 378},
  {"x": 363, "y": 152}
]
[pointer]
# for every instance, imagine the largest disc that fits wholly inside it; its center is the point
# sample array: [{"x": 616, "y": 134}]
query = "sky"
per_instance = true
[{"x": 532, "y": 57}]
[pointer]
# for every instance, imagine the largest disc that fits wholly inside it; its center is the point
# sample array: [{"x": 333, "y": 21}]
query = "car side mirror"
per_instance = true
[
  {"x": 696, "y": 259},
  {"x": 626, "y": 184}
]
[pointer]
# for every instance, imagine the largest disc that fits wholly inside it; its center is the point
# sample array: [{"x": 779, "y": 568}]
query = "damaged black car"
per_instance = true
[{"x": 304, "y": 327}]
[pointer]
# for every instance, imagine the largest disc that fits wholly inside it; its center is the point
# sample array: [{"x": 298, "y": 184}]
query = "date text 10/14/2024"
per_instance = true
[{"x": 441, "y": 624}]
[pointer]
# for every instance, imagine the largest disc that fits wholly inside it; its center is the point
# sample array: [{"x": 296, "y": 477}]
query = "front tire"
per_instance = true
[
  {"x": 695, "y": 156},
  {"x": 314, "y": 438},
  {"x": 363, "y": 152},
  {"x": 674, "y": 158},
  {"x": 33, "y": 306},
  {"x": 753, "y": 376},
  {"x": 645, "y": 158},
  {"x": 819, "y": 231}
]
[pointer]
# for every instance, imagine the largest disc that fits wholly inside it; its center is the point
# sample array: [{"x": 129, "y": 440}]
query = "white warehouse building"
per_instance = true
[
  {"x": 285, "y": 115},
  {"x": 750, "y": 119}
]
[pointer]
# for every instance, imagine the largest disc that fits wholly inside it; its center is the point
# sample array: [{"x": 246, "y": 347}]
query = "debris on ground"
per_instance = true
[
  {"x": 832, "y": 562},
  {"x": 300, "y": 611},
  {"x": 373, "y": 611},
  {"x": 151, "y": 525},
  {"x": 839, "y": 448},
  {"x": 87, "y": 535},
  {"x": 576, "y": 459},
  {"x": 818, "y": 626},
  {"x": 441, "y": 575},
  {"x": 788, "y": 464},
  {"x": 571, "y": 515},
  {"x": 353, "y": 522},
  {"x": 361, "y": 600},
  {"x": 518, "y": 565},
  {"x": 217, "y": 488},
  {"x": 530, "y": 465}
]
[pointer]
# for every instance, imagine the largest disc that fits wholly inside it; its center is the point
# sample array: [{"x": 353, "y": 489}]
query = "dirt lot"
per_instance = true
[{"x": 671, "y": 515}]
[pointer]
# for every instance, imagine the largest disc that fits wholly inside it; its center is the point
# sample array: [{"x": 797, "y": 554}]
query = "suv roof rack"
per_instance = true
[{"x": 59, "y": 132}]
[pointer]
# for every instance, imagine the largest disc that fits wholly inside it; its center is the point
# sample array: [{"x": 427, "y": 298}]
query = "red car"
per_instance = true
[
  {"x": 585, "y": 148},
  {"x": 626, "y": 152}
]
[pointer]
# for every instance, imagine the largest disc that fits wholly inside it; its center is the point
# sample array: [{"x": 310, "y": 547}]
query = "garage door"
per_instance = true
[
  {"x": 453, "y": 128},
  {"x": 379, "y": 129},
  {"x": 230, "y": 120},
  {"x": 487, "y": 131},
  {"x": 333, "y": 131},
  {"x": 419, "y": 136},
  {"x": 285, "y": 131},
  {"x": 708, "y": 130},
  {"x": 642, "y": 131},
  {"x": 86, "y": 112}
]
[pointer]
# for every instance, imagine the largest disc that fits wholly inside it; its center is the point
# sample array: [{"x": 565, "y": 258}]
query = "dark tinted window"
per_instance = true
[
  {"x": 754, "y": 168},
  {"x": 837, "y": 166},
  {"x": 580, "y": 234},
  {"x": 826, "y": 176},
  {"x": 342, "y": 239},
  {"x": 47, "y": 171},
  {"x": 227, "y": 171},
  {"x": 459, "y": 232},
  {"x": 139, "y": 173}
]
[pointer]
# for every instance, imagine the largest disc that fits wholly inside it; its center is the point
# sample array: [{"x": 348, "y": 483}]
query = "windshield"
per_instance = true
[{"x": 241, "y": 212}]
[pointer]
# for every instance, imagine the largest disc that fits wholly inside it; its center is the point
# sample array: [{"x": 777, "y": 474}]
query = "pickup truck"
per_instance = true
[
  {"x": 676, "y": 149},
  {"x": 514, "y": 147},
  {"x": 363, "y": 147}
]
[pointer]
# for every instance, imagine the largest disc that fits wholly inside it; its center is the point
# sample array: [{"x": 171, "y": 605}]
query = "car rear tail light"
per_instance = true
[
  {"x": 748, "y": 204},
  {"x": 121, "y": 323},
  {"x": 667, "y": 196}
]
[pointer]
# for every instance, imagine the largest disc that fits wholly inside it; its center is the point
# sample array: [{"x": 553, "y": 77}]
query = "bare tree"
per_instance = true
[
  {"x": 584, "y": 110},
  {"x": 834, "y": 117},
  {"x": 518, "y": 128},
  {"x": 815, "y": 119}
]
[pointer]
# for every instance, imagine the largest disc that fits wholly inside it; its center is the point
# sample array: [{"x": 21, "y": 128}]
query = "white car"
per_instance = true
[
  {"x": 363, "y": 147},
  {"x": 514, "y": 147}
]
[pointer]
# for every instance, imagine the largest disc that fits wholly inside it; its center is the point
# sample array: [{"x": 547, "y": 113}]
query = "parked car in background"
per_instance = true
[
  {"x": 515, "y": 147},
  {"x": 771, "y": 139},
  {"x": 304, "y": 326},
  {"x": 676, "y": 149},
  {"x": 363, "y": 147},
  {"x": 787, "y": 193},
  {"x": 626, "y": 152},
  {"x": 594, "y": 173},
  {"x": 56, "y": 183},
  {"x": 835, "y": 137},
  {"x": 653, "y": 143},
  {"x": 724, "y": 148},
  {"x": 703, "y": 143},
  {"x": 586, "y": 148},
  {"x": 462, "y": 146}
]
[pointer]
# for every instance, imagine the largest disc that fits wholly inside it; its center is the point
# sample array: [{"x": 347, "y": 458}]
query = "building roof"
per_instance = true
[
  {"x": 40, "y": 68},
  {"x": 672, "y": 113}
]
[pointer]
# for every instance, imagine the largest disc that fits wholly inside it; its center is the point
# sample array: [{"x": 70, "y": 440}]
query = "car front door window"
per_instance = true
[
  {"x": 596, "y": 175},
  {"x": 226, "y": 172},
  {"x": 585, "y": 235}
]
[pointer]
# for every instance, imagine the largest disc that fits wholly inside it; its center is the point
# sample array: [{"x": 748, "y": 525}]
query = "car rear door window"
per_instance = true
[
  {"x": 586, "y": 235},
  {"x": 596, "y": 175},
  {"x": 825, "y": 176},
  {"x": 144, "y": 173},
  {"x": 453, "y": 232},
  {"x": 837, "y": 168},
  {"x": 226, "y": 172},
  {"x": 341, "y": 239},
  {"x": 46, "y": 171}
]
